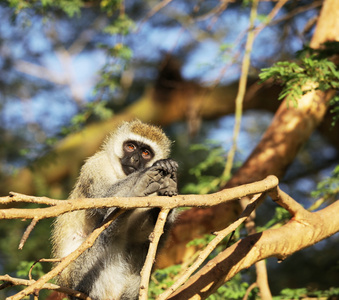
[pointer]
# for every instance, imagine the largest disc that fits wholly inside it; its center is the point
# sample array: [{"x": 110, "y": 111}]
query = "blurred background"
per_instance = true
[{"x": 72, "y": 70}]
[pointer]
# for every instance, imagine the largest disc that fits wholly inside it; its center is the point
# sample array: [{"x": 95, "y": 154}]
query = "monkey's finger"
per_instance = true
[
  {"x": 152, "y": 188},
  {"x": 170, "y": 165},
  {"x": 174, "y": 165}
]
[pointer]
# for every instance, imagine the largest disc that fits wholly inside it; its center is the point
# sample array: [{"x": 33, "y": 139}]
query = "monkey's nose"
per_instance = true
[{"x": 135, "y": 159}]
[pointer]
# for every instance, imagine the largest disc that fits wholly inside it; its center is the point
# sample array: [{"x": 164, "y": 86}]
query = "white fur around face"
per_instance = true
[
  {"x": 114, "y": 144},
  {"x": 118, "y": 277}
]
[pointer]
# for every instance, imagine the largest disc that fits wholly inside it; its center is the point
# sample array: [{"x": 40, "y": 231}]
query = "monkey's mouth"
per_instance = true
[{"x": 129, "y": 169}]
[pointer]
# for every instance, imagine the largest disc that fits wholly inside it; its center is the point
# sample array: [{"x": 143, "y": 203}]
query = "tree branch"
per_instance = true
[
  {"x": 49, "y": 286},
  {"x": 27, "y": 232},
  {"x": 64, "y": 206},
  {"x": 154, "y": 241},
  {"x": 301, "y": 233},
  {"x": 241, "y": 91},
  {"x": 303, "y": 230}
]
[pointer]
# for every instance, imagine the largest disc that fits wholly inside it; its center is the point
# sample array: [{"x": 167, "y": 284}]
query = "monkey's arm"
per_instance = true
[{"x": 160, "y": 178}]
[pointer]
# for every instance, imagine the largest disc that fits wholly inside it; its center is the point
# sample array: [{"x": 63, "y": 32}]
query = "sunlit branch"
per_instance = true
[
  {"x": 27, "y": 232},
  {"x": 303, "y": 230},
  {"x": 65, "y": 206},
  {"x": 49, "y": 286},
  {"x": 150, "y": 258}
]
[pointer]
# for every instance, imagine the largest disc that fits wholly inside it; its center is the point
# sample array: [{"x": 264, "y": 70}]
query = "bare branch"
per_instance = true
[
  {"x": 154, "y": 241},
  {"x": 39, "y": 72},
  {"x": 41, "y": 260},
  {"x": 304, "y": 229},
  {"x": 250, "y": 288},
  {"x": 17, "y": 197},
  {"x": 241, "y": 91},
  {"x": 262, "y": 280},
  {"x": 287, "y": 202},
  {"x": 155, "y": 9},
  {"x": 49, "y": 286},
  {"x": 27, "y": 232},
  {"x": 65, "y": 206}
]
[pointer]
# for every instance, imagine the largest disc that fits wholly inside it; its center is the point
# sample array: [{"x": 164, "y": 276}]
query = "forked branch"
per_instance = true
[{"x": 303, "y": 230}]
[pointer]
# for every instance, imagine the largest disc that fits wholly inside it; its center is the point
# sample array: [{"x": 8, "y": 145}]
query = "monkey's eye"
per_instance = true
[
  {"x": 146, "y": 154},
  {"x": 130, "y": 147}
]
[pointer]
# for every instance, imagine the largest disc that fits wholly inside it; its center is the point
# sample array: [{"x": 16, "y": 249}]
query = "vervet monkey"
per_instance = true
[{"x": 132, "y": 162}]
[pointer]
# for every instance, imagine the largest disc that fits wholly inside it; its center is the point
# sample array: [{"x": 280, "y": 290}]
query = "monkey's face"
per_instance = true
[{"x": 136, "y": 156}]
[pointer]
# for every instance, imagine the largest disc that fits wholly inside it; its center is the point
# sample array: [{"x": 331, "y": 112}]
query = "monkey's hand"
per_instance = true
[
  {"x": 161, "y": 178},
  {"x": 168, "y": 187},
  {"x": 169, "y": 169},
  {"x": 168, "y": 166}
]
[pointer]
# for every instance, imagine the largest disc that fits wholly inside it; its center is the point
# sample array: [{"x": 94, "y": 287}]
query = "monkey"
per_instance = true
[{"x": 132, "y": 162}]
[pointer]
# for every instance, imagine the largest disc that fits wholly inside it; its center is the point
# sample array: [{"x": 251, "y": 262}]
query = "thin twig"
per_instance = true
[
  {"x": 27, "y": 232},
  {"x": 154, "y": 241},
  {"x": 17, "y": 197},
  {"x": 154, "y": 10},
  {"x": 241, "y": 91},
  {"x": 297, "y": 11},
  {"x": 262, "y": 280},
  {"x": 270, "y": 16},
  {"x": 41, "y": 260},
  {"x": 240, "y": 37},
  {"x": 49, "y": 286},
  {"x": 293, "y": 207},
  {"x": 250, "y": 288}
]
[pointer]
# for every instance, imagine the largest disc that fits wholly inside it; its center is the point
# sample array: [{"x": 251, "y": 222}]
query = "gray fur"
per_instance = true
[{"x": 110, "y": 269}]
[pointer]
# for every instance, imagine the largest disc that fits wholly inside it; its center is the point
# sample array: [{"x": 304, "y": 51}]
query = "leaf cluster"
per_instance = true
[
  {"x": 97, "y": 110},
  {"x": 121, "y": 25},
  {"x": 305, "y": 293},
  {"x": 280, "y": 217},
  {"x": 329, "y": 187},
  {"x": 110, "y": 6},
  {"x": 214, "y": 159},
  {"x": 313, "y": 71},
  {"x": 71, "y": 8},
  {"x": 235, "y": 288},
  {"x": 24, "y": 267},
  {"x": 162, "y": 279}
]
